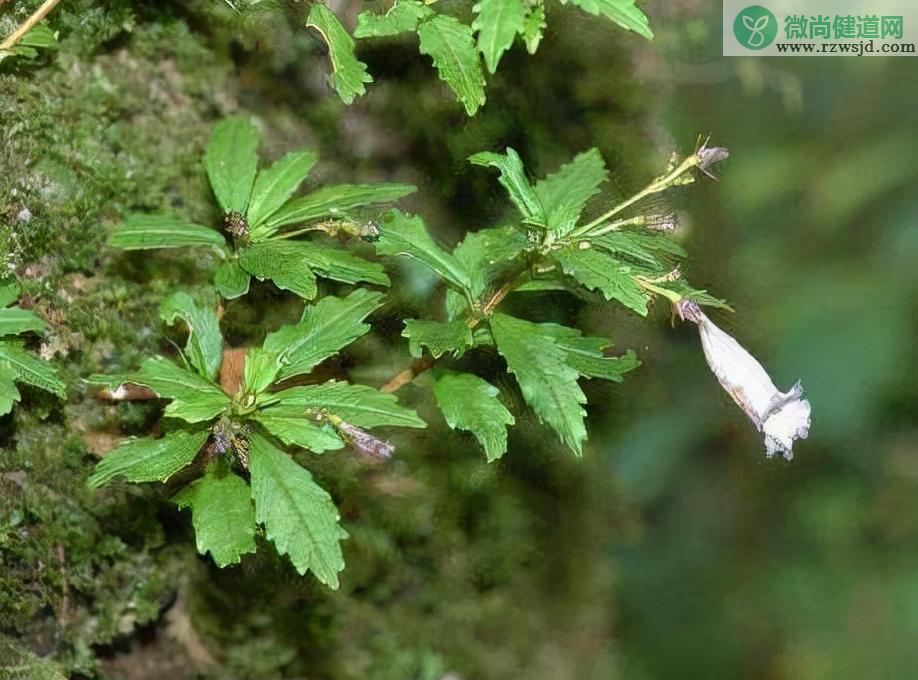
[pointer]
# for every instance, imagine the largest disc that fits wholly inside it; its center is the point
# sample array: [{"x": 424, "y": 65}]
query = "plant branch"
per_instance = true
[
  {"x": 425, "y": 363},
  {"x": 656, "y": 186},
  {"x": 28, "y": 24}
]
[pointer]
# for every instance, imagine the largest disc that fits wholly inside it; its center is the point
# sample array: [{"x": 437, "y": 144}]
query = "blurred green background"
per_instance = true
[{"x": 673, "y": 550}]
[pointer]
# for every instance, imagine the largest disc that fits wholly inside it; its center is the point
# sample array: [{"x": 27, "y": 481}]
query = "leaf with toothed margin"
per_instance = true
[
  {"x": 325, "y": 328},
  {"x": 359, "y": 405},
  {"x": 204, "y": 347},
  {"x": 451, "y": 45},
  {"x": 470, "y": 403},
  {"x": 298, "y": 514},
  {"x": 150, "y": 460},
  {"x": 231, "y": 160},
  {"x": 275, "y": 185},
  {"x": 348, "y": 74},
  {"x": 221, "y": 513},
  {"x": 548, "y": 382}
]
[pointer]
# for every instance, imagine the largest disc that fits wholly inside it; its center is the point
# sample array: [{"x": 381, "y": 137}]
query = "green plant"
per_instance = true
[
  {"x": 455, "y": 46},
  {"x": 256, "y": 211},
  {"x": 17, "y": 364},
  {"x": 627, "y": 259},
  {"x": 249, "y": 479}
]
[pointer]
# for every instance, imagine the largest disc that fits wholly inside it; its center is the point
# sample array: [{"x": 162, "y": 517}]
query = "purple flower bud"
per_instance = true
[
  {"x": 708, "y": 156},
  {"x": 366, "y": 443}
]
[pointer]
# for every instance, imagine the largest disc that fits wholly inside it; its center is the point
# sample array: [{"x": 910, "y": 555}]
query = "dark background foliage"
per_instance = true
[{"x": 673, "y": 550}]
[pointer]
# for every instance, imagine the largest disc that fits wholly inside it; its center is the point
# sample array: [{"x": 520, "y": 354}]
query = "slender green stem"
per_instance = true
[{"x": 655, "y": 187}]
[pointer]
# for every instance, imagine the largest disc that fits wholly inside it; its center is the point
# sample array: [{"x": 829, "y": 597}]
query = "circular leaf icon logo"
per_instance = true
[{"x": 755, "y": 27}]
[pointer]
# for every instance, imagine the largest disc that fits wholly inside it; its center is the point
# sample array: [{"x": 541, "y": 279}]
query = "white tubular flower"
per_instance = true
[{"x": 783, "y": 417}]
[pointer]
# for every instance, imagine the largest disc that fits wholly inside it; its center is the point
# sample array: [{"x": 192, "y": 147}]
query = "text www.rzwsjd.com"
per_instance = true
[{"x": 851, "y": 48}]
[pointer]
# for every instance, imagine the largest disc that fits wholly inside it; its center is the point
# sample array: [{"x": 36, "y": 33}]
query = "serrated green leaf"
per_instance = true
[
  {"x": 231, "y": 160},
  {"x": 641, "y": 246},
  {"x": 485, "y": 255},
  {"x": 403, "y": 234},
  {"x": 334, "y": 202},
  {"x": 622, "y": 12},
  {"x": 340, "y": 265},
  {"x": 31, "y": 370},
  {"x": 325, "y": 328},
  {"x": 9, "y": 395},
  {"x": 145, "y": 232},
  {"x": 275, "y": 185},
  {"x": 9, "y": 291},
  {"x": 547, "y": 381},
  {"x": 402, "y": 17},
  {"x": 497, "y": 23},
  {"x": 564, "y": 194},
  {"x": 470, "y": 403},
  {"x": 15, "y": 320},
  {"x": 587, "y": 354},
  {"x": 204, "y": 347},
  {"x": 513, "y": 179},
  {"x": 702, "y": 297},
  {"x": 534, "y": 27},
  {"x": 348, "y": 74},
  {"x": 40, "y": 36},
  {"x": 221, "y": 513},
  {"x": 291, "y": 426},
  {"x": 281, "y": 262},
  {"x": 194, "y": 398},
  {"x": 359, "y": 405},
  {"x": 598, "y": 271},
  {"x": 150, "y": 460},
  {"x": 439, "y": 337},
  {"x": 231, "y": 280},
  {"x": 260, "y": 371},
  {"x": 298, "y": 514},
  {"x": 451, "y": 45}
]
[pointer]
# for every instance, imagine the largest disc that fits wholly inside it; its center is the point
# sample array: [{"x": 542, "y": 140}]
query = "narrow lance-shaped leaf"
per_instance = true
[
  {"x": 275, "y": 185},
  {"x": 222, "y": 514},
  {"x": 261, "y": 367},
  {"x": 204, "y": 347},
  {"x": 470, "y": 403},
  {"x": 439, "y": 337},
  {"x": 298, "y": 514},
  {"x": 231, "y": 160},
  {"x": 406, "y": 235},
  {"x": 150, "y": 460},
  {"x": 145, "y": 232},
  {"x": 291, "y": 426},
  {"x": 451, "y": 45},
  {"x": 402, "y": 17},
  {"x": 14, "y": 321},
  {"x": 622, "y": 12},
  {"x": 513, "y": 179},
  {"x": 548, "y": 382},
  {"x": 598, "y": 271},
  {"x": 564, "y": 194},
  {"x": 325, "y": 328},
  {"x": 497, "y": 23},
  {"x": 194, "y": 398},
  {"x": 587, "y": 354},
  {"x": 359, "y": 405},
  {"x": 334, "y": 202},
  {"x": 348, "y": 74},
  {"x": 29, "y": 369}
]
